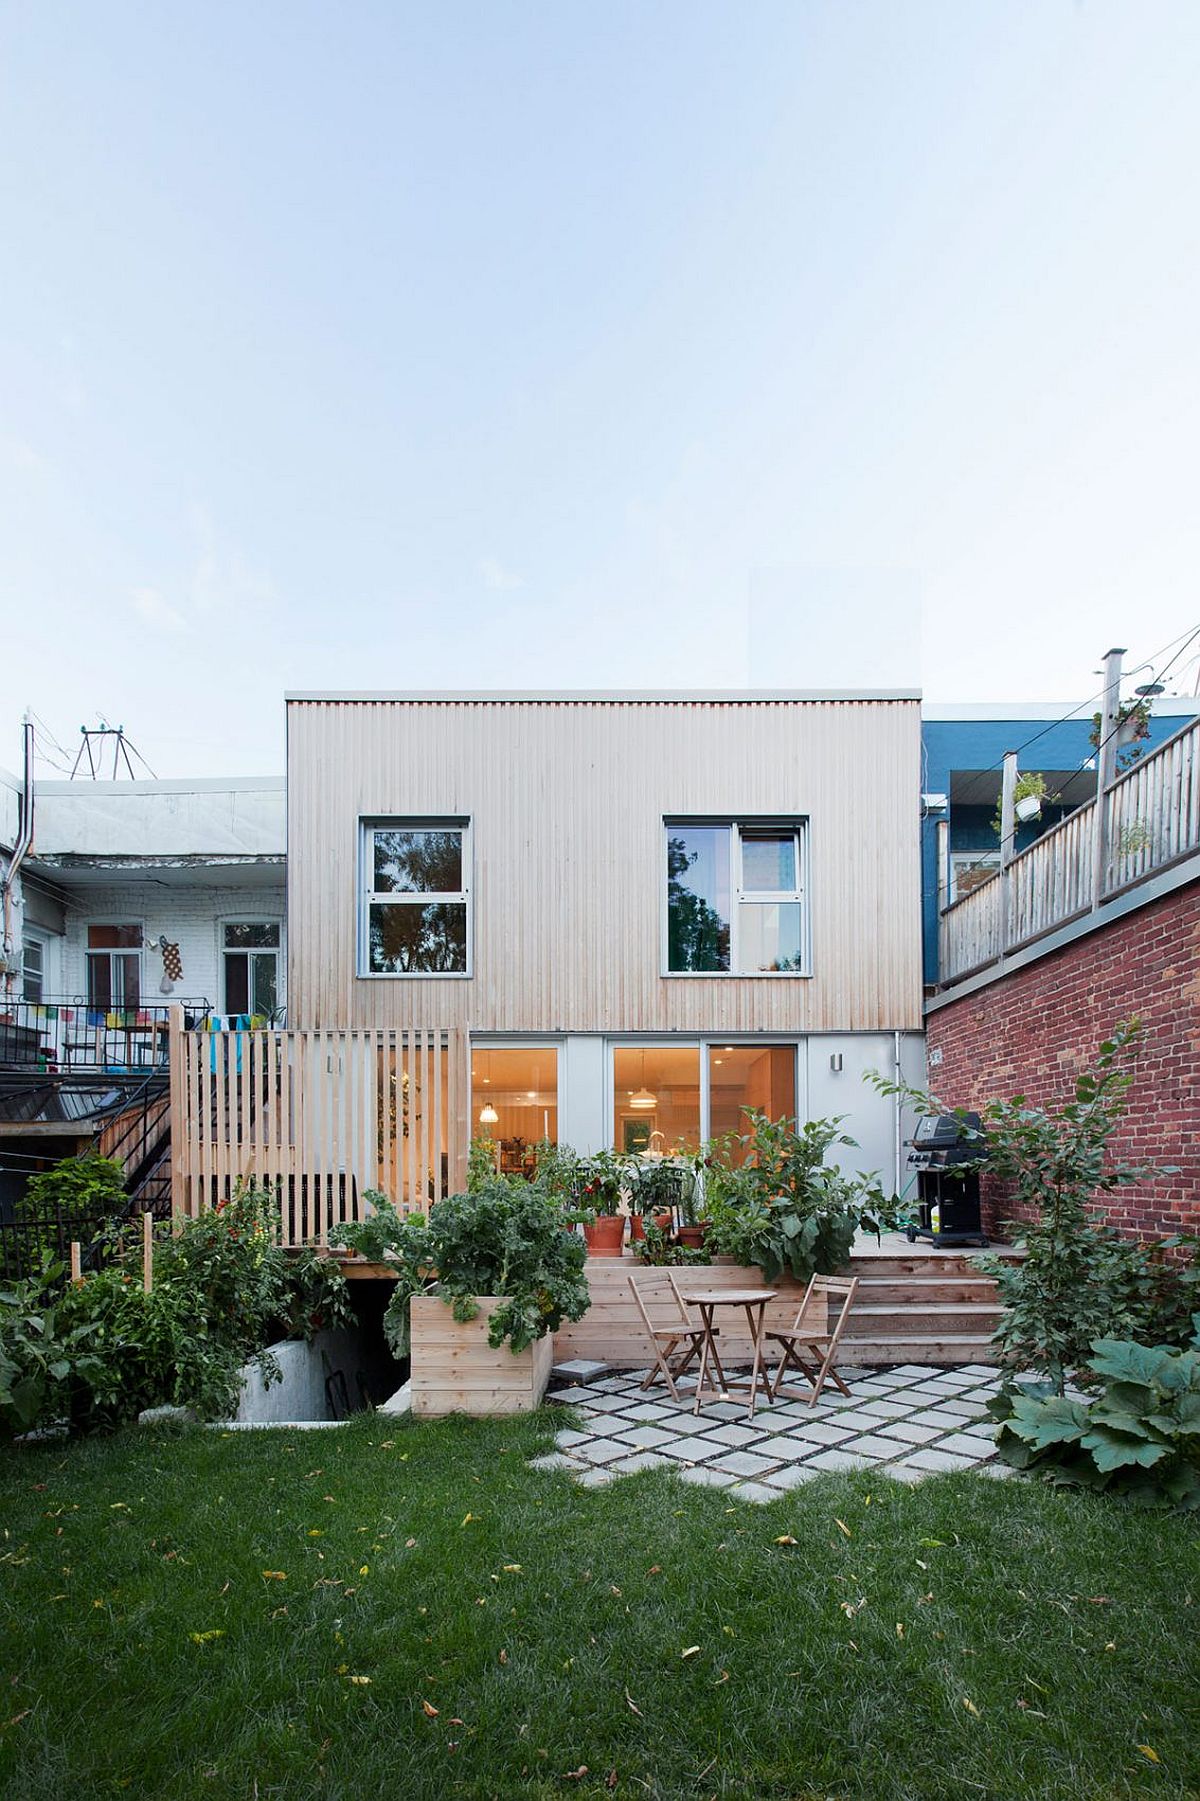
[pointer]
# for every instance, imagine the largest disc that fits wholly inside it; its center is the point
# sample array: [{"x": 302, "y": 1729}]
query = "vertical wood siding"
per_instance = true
[
  {"x": 567, "y": 801},
  {"x": 320, "y": 1117}
]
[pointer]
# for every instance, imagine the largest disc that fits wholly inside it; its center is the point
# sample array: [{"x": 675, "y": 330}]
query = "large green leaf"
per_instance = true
[
  {"x": 1113, "y": 1450},
  {"x": 1050, "y": 1422},
  {"x": 1128, "y": 1362}
]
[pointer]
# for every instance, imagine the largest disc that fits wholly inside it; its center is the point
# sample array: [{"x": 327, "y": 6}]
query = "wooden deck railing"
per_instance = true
[
  {"x": 1150, "y": 819},
  {"x": 320, "y": 1117}
]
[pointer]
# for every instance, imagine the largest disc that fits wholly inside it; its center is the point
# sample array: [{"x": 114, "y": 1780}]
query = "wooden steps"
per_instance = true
[{"x": 915, "y": 1306}]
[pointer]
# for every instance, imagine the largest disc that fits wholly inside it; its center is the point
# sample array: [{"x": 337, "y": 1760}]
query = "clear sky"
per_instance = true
[{"x": 611, "y": 344}]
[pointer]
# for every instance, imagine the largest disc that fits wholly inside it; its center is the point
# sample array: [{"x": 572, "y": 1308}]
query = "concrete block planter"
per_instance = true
[{"x": 455, "y": 1370}]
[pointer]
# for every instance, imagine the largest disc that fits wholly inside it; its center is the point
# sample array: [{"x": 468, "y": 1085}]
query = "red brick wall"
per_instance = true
[{"x": 1032, "y": 1032}]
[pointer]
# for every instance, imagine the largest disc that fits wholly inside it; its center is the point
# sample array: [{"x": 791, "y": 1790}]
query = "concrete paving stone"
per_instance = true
[
  {"x": 733, "y": 1434},
  {"x": 903, "y": 1472},
  {"x": 791, "y": 1475},
  {"x": 840, "y": 1460},
  {"x": 647, "y": 1438},
  {"x": 952, "y": 1385},
  {"x": 888, "y": 1410},
  {"x": 706, "y": 1477},
  {"x": 574, "y": 1392},
  {"x": 933, "y": 1416},
  {"x": 965, "y": 1444},
  {"x": 817, "y": 1433},
  {"x": 968, "y": 1407},
  {"x": 744, "y": 1463},
  {"x": 594, "y": 1478},
  {"x": 606, "y": 1425},
  {"x": 648, "y": 1411},
  {"x": 641, "y": 1460},
  {"x": 606, "y": 1450},
  {"x": 855, "y": 1420},
  {"x": 724, "y": 1412},
  {"x": 610, "y": 1403},
  {"x": 941, "y": 1461},
  {"x": 752, "y": 1491},
  {"x": 553, "y": 1460},
  {"x": 982, "y": 1428},
  {"x": 579, "y": 1367},
  {"x": 691, "y": 1450},
  {"x": 978, "y": 1369},
  {"x": 1000, "y": 1471},
  {"x": 908, "y": 1432},
  {"x": 684, "y": 1423},
  {"x": 871, "y": 1444},
  {"x": 565, "y": 1440},
  {"x": 914, "y": 1371}
]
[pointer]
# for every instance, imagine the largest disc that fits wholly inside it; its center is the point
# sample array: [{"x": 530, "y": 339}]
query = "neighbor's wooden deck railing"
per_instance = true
[
  {"x": 1150, "y": 819},
  {"x": 320, "y": 1117}
]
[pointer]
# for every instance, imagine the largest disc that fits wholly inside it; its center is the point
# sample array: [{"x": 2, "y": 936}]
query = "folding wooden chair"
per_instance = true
[
  {"x": 676, "y": 1340},
  {"x": 809, "y": 1350}
]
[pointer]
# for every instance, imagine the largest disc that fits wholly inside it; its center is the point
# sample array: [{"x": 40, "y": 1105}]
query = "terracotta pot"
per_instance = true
[
  {"x": 692, "y": 1236},
  {"x": 607, "y": 1237},
  {"x": 637, "y": 1224}
]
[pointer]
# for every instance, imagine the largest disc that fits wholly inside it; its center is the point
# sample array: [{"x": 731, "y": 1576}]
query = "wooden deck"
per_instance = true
[{"x": 914, "y": 1305}]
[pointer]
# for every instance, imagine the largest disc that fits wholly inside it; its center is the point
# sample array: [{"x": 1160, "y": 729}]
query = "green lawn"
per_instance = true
[{"x": 279, "y": 1614}]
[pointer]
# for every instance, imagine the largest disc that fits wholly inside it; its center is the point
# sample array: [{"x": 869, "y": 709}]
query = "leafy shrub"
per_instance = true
[
  {"x": 657, "y": 1247},
  {"x": 43, "y": 1352},
  {"x": 1140, "y": 1438},
  {"x": 377, "y": 1234},
  {"x": 772, "y": 1199},
  {"x": 73, "y": 1199},
  {"x": 223, "y": 1290},
  {"x": 505, "y": 1239}
]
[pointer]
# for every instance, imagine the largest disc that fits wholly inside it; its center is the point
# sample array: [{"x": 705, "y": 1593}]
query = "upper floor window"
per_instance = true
[
  {"x": 736, "y": 901},
  {"x": 416, "y": 889},
  {"x": 250, "y": 954},
  {"x": 114, "y": 966}
]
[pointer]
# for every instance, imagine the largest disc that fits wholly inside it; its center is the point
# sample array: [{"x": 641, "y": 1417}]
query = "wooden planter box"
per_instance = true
[{"x": 455, "y": 1369}]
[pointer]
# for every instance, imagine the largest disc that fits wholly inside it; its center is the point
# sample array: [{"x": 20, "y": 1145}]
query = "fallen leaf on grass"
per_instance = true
[
  {"x": 611, "y": 1780},
  {"x": 632, "y": 1705},
  {"x": 842, "y": 1527},
  {"x": 274, "y": 1575},
  {"x": 512, "y": 1569},
  {"x": 1150, "y": 1752},
  {"x": 575, "y": 1775},
  {"x": 971, "y": 1707},
  {"x": 899, "y": 1628},
  {"x": 785, "y": 1538},
  {"x": 690, "y": 1651},
  {"x": 206, "y": 1638},
  {"x": 18, "y": 1717},
  {"x": 430, "y": 1710},
  {"x": 467, "y": 1518},
  {"x": 360, "y": 1681}
]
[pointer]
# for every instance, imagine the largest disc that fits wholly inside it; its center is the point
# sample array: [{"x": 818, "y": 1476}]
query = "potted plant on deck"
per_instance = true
[
  {"x": 656, "y": 1187},
  {"x": 481, "y": 1285},
  {"x": 601, "y": 1180}
]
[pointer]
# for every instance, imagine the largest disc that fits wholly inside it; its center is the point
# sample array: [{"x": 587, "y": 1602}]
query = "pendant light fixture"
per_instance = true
[
  {"x": 643, "y": 1100},
  {"x": 487, "y": 1113}
]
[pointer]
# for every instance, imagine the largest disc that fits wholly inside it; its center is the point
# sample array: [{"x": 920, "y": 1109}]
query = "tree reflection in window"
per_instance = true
[{"x": 697, "y": 884}]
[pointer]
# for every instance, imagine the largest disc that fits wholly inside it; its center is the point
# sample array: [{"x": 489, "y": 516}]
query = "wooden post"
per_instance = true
[
  {"x": 147, "y": 1251},
  {"x": 179, "y": 1111},
  {"x": 1008, "y": 827},
  {"x": 76, "y": 1263},
  {"x": 1106, "y": 769}
]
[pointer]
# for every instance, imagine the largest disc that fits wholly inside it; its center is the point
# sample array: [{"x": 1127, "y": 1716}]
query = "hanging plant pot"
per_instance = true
[{"x": 606, "y": 1238}]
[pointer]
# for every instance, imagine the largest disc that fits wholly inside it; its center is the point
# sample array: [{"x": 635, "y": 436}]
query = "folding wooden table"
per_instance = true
[{"x": 706, "y": 1301}]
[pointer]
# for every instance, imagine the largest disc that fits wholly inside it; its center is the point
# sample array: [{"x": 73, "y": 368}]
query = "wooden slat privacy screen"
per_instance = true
[{"x": 320, "y": 1117}]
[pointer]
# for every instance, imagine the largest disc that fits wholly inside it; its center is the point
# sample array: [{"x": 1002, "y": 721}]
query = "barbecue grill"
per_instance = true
[{"x": 945, "y": 1152}]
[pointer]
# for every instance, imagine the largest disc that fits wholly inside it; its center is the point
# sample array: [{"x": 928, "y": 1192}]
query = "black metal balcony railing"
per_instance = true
[{"x": 70, "y": 1037}]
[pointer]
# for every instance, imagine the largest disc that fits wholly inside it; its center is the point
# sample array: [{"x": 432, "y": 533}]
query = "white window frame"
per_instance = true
[
  {"x": 798, "y": 826},
  {"x": 224, "y": 950},
  {"x": 139, "y": 925},
  {"x": 368, "y": 897},
  {"x": 971, "y": 859},
  {"x": 706, "y": 1044}
]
